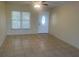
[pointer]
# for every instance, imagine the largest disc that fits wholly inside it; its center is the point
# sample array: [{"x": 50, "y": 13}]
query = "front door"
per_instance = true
[{"x": 43, "y": 22}]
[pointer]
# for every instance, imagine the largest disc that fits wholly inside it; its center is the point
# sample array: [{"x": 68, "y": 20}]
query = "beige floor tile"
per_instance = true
[{"x": 37, "y": 45}]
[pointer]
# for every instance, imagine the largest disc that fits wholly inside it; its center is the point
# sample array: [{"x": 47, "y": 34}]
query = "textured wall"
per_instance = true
[{"x": 64, "y": 23}]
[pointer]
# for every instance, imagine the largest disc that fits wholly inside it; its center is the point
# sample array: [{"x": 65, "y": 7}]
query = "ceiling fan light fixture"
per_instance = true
[{"x": 37, "y": 6}]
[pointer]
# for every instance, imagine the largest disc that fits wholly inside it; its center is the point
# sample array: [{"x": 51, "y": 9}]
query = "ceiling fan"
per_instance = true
[{"x": 42, "y": 3}]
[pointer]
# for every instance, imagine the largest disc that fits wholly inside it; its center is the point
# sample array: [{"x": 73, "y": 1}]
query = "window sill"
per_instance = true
[{"x": 20, "y": 29}]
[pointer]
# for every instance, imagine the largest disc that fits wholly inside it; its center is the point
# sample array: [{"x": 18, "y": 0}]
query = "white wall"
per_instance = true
[
  {"x": 21, "y": 7},
  {"x": 2, "y": 23},
  {"x": 64, "y": 23},
  {"x": 33, "y": 20}
]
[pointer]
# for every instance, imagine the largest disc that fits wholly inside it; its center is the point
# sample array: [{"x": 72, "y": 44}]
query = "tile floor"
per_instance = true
[{"x": 39, "y": 45}]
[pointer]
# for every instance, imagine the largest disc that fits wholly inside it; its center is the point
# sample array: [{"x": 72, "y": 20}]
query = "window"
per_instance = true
[
  {"x": 43, "y": 20},
  {"x": 20, "y": 20},
  {"x": 25, "y": 20}
]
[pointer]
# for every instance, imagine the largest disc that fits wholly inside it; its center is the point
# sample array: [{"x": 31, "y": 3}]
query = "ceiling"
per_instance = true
[{"x": 51, "y": 4}]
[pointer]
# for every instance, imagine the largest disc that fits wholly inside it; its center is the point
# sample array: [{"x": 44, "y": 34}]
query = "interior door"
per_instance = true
[{"x": 43, "y": 22}]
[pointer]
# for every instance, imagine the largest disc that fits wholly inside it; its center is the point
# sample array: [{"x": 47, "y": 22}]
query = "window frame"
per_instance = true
[{"x": 21, "y": 28}]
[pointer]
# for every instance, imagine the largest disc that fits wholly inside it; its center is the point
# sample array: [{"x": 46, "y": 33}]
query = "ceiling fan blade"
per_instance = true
[
  {"x": 43, "y": 1},
  {"x": 45, "y": 4}
]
